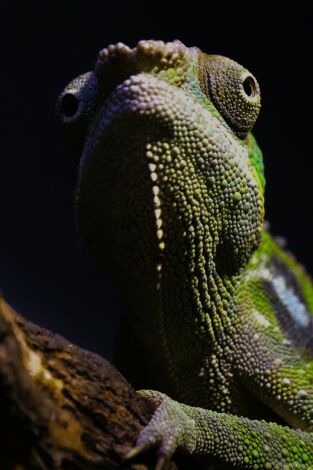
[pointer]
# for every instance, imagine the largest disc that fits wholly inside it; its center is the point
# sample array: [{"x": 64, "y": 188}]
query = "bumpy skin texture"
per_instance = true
[{"x": 170, "y": 198}]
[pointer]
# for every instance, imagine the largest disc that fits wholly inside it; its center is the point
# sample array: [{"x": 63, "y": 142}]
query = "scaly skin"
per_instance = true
[{"x": 170, "y": 198}]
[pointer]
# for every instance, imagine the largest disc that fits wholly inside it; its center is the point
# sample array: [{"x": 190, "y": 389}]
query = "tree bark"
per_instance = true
[{"x": 62, "y": 407}]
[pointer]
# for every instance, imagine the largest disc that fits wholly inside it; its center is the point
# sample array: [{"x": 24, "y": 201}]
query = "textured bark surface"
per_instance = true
[{"x": 62, "y": 407}]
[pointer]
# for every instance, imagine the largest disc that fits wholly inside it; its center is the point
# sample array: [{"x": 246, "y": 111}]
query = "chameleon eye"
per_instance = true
[
  {"x": 234, "y": 92},
  {"x": 69, "y": 105},
  {"x": 75, "y": 107},
  {"x": 249, "y": 86}
]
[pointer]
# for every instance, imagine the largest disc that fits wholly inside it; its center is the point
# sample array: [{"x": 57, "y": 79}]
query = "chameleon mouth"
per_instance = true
[{"x": 116, "y": 63}]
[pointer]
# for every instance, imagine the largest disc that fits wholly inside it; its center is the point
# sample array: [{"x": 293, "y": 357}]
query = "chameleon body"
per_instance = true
[{"x": 170, "y": 198}]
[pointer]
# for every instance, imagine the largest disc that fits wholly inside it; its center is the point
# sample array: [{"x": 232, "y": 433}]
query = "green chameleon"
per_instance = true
[{"x": 170, "y": 198}]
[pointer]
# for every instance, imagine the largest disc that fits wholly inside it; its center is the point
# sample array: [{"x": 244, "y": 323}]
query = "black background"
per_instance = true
[{"x": 43, "y": 271}]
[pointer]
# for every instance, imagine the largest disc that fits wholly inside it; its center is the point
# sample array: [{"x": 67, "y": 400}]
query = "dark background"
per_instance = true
[{"x": 43, "y": 271}]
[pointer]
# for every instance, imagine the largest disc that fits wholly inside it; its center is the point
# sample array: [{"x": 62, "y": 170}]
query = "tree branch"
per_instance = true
[{"x": 62, "y": 407}]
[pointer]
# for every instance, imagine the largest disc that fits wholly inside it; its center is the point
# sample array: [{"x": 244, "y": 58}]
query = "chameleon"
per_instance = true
[{"x": 170, "y": 200}]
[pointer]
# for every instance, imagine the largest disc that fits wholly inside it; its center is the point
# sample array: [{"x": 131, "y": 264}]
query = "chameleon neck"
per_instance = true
[
  {"x": 182, "y": 304},
  {"x": 182, "y": 291}
]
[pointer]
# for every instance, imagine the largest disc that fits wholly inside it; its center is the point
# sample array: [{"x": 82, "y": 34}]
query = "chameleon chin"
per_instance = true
[{"x": 170, "y": 199}]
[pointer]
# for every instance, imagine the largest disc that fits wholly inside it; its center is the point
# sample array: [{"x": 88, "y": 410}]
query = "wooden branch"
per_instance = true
[{"x": 62, "y": 407}]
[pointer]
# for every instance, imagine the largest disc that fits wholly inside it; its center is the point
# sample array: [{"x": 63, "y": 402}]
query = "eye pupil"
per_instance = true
[
  {"x": 69, "y": 105},
  {"x": 249, "y": 86}
]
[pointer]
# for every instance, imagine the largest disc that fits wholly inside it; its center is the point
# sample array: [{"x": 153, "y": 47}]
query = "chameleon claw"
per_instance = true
[
  {"x": 134, "y": 452},
  {"x": 160, "y": 463}
]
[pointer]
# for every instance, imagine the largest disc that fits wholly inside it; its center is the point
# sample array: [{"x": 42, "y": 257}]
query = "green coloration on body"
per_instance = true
[
  {"x": 170, "y": 199},
  {"x": 256, "y": 157}
]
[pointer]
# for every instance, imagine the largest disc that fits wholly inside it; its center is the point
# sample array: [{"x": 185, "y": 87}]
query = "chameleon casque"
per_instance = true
[{"x": 170, "y": 198}]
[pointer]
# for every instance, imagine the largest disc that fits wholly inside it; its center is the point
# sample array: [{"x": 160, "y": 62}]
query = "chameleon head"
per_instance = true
[{"x": 170, "y": 178}]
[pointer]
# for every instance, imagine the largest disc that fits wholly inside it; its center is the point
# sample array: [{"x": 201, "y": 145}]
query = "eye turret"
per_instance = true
[
  {"x": 75, "y": 107},
  {"x": 233, "y": 90}
]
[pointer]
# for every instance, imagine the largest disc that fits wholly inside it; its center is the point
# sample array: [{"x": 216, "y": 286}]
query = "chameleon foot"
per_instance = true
[{"x": 170, "y": 427}]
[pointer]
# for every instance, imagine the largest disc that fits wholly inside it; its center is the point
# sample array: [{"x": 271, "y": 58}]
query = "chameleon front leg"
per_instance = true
[
  {"x": 231, "y": 439},
  {"x": 270, "y": 367}
]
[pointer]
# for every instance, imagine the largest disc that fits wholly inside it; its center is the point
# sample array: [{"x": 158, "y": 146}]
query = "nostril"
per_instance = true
[{"x": 69, "y": 105}]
